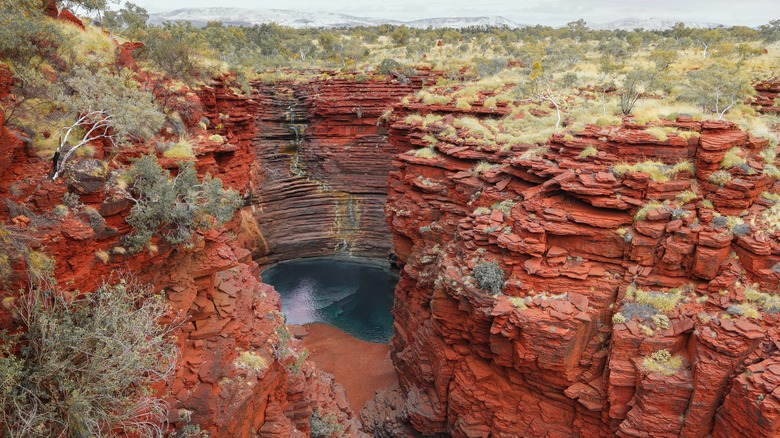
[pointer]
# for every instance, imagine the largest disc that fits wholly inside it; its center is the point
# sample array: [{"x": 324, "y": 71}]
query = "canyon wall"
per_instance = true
[
  {"x": 606, "y": 268},
  {"x": 213, "y": 285},
  {"x": 320, "y": 183}
]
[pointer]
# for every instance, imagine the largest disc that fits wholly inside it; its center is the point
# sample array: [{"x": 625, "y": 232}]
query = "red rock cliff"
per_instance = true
[
  {"x": 320, "y": 183},
  {"x": 215, "y": 283},
  {"x": 604, "y": 265}
]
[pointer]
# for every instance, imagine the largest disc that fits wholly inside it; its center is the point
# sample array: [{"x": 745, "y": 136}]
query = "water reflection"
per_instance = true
[{"x": 352, "y": 295}]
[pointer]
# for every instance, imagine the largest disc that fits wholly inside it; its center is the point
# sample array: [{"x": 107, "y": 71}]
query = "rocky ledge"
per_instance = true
[
  {"x": 228, "y": 313},
  {"x": 637, "y": 268}
]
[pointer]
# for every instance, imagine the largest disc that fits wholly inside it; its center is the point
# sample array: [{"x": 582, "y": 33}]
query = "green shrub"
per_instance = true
[
  {"x": 389, "y": 66},
  {"x": 85, "y": 366},
  {"x": 23, "y": 28},
  {"x": 174, "y": 208},
  {"x": 325, "y": 425},
  {"x": 489, "y": 276},
  {"x": 172, "y": 49}
]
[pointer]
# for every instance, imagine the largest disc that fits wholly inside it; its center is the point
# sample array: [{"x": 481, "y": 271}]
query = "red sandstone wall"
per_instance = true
[
  {"x": 472, "y": 364},
  {"x": 215, "y": 283},
  {"x": 322, "y": 191}
]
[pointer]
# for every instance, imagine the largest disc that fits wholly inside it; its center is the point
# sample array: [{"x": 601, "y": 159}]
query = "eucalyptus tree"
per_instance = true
[{"x": 103, "y": 106}]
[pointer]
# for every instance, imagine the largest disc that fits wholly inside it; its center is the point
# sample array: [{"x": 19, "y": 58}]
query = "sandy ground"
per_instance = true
[{"x": 361, "y": 367}]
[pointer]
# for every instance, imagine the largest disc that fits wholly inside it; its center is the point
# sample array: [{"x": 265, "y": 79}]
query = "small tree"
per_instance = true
[
  {"x": 129, "y": 20},
  {"x": 635, "y": 83},
  {"x": 717, "y": 88},
  {"x": 770, "y": 32},
  {"x": 104, "y": 106},
  {"x": 22, "y": 29},
  {"x": 96, "y": 7},
  {"x": 608, "y": 72},
  {"x": 84, "y": 367},
  {"x": 706, "y": 38},
  {"x": 545, "y": 89},
  {"x": 173, "y": 49},
  {"x": 401, "y": 35}
]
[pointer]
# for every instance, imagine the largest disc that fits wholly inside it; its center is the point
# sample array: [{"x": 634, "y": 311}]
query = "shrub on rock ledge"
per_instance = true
[
  {"x": 174, "y": 208},
  {"x": 325, "y": 425},
  {"x": 489, "y": 276}
]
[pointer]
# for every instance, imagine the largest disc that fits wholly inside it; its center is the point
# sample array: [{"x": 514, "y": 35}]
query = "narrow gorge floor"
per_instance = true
[
  {"x": 341, "y": 308},
  {"x": 361, "y": 367}
]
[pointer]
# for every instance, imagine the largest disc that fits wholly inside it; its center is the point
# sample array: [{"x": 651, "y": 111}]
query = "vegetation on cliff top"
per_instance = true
[{"x": 71, "y": 91}]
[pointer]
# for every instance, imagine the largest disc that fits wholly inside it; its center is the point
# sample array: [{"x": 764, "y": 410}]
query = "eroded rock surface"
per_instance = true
[
  {"x": 215, "y": 282},
  {"x": 320, "y": 183},
  {"x": 603, "y": 265}
]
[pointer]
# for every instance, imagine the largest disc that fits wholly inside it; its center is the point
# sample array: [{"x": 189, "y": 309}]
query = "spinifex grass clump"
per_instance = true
[
  {"x": 657, "y": 170},
  {"x": 662, "y": 362}
]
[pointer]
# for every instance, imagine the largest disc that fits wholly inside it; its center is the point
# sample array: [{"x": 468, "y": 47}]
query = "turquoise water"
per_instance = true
[{"x": 355, "y": 296}]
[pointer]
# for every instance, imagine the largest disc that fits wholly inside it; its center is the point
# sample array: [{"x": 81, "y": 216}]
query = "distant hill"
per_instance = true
[
  {"x": 654, "y": 23},
  {"x": 300, "y": 19},
  {"x": 460, "y": 22},
  {"x": 297, "y": 19}
]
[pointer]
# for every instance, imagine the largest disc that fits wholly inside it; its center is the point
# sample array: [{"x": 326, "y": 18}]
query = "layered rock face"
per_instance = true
[
  {"x": 606, "y": 263},
  {"x": 320, "y": 184},
  {"x": 214, "y": 285},
  {"x": 767, "y": 93}
]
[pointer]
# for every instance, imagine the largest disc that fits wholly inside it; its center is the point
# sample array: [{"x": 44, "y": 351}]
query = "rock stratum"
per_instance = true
[
  {"x": 320, "y": 180},
  {"x": 605, "y": 261},
  {"x": 215, "y": 283},
  {"x": 608, "y": 260}
]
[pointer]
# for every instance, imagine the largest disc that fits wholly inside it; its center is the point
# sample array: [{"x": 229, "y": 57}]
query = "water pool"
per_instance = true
[{"x": 351, "y": 294}]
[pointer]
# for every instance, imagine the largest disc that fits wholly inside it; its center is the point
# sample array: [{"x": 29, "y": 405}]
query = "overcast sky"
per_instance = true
[{"x": 547, "y": 12}]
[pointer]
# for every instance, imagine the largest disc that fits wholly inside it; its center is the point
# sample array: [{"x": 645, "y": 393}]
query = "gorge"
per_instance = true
[{"x": 616, "y": 278}]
